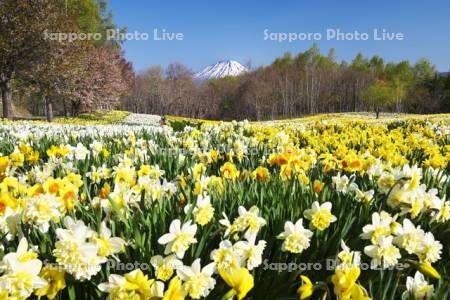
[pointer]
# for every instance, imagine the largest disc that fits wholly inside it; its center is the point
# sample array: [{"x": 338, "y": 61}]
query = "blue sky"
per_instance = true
[{"x": 234, "y": 29}]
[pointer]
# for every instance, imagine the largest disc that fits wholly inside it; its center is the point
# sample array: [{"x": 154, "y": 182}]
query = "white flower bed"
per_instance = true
[{"x": 142, "y": 119}]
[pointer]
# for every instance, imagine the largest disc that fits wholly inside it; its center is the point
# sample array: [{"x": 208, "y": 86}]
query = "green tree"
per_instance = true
[
  {"x": 22, "y": 41},
  {"x": 379, "y": 95},
  {"x": 402, "y": 79},
  {"x": 86, "y": 13},
  {"x": 360, "y": 63},
  {"x": 283, "y": 62},
  {"x": 332, "y": 55},
  {"x": 310, "y": 57},
  {"x": 424, "y": 70},
  {"x": 377, "y": 65},
  {"x": 92, "y": 16}
]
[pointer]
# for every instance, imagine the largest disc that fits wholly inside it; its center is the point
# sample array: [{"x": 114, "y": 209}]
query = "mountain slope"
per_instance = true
[{"x": 220, "y": 70}]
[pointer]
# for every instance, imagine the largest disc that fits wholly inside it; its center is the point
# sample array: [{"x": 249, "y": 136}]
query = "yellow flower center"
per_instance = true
[
  {"x": 164, "y": 272},
  {"x": 321, "y": 219},
  {"x": 182, "y": 242},
  {"x": 296, "y": 242},
  {"x": 204, "y": 215},
  {"x": 29, "y": 255}
]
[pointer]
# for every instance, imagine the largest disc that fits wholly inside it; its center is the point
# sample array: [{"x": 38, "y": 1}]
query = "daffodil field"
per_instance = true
[{"x": 325, "y": 207}]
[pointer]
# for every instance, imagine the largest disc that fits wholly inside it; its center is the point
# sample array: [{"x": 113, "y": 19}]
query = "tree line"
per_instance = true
[
  {"x": 291, "y": 86},
  {"x": 66, "y": 77},
  {"x": 39, "y": 69}
]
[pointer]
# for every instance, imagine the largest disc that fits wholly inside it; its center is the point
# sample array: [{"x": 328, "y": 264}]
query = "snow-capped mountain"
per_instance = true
[{"x": 220, "y": 70}]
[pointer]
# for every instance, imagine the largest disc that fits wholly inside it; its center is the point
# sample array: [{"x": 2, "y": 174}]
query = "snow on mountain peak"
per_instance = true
[{"x": 221, "y": 69}]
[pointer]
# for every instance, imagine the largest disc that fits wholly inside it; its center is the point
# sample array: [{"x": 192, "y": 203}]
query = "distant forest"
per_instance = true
[
  {"x": 307, "y": 83},
  {"x": 43, "y": 76}
]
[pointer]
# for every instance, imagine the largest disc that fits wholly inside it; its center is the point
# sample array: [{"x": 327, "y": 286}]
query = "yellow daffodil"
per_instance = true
[
  {"x": 344, "y": 281},
  {"x": 306, "y": 289},
  {"x": 56, "y": 282},
  {"x": 261, "y": 174},
  {"x": 239, "y": 279},
  {"x": 175, "y": 290},
  {"x": 229, "y": 171},
  {"x": 318, "y": 186},
  {"x": 429, "y": 270}
]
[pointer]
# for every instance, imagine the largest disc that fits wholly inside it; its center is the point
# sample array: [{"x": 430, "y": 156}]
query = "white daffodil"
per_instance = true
[
  {"x": 96, "y": 147},
  {"x": 10, "y": 222},
  {"x": 410, "y": 238},
  {"x": 349, "y": 257},
  {"x": 165, "y": 266},
  {"x": 226, "y": 257},
  {"x": 414, "y": 203},
  {"x": 431, "y": 199},
  {"x": 42, "y": 209},
  {"x": 296, "y": 237},
  {"x": 81, "y": 152},
  {"x": 202, "y": 184},
  {"x": 73, "y": 252},
  {"x": 431, "y": 249},
  {"x": 383, "y": 253},
  {"x": 21, "y": 273},
  {"x": 22, "y": 254},
  {"x": 248, "y": 221},
  {"x": 169, "y": 188},
  {"x": 364, "y": 197},
  {"x": 381, "y": 226},
  {"x": 226, "y": 222},
  {"x": 97, "y": 174},
  {"x": 442, "y": 213},
  {"x": 418, "y": 287},
  {"x": 116, "y": 286},
  {"x": 179, "y": 238},
  {"x": 250, "y": 252},
  {"x": 197, "y": 281},
  {"x": 376, "y": 169},
  {"x": 106, "y": 244},
  {"x": 411, "y": 176},
  {"x": 203, "y": 210},
  {"x": 341, "y": 183},
  {"x": 320, "y": 215},
  {"x": 385, "y": 182}
]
